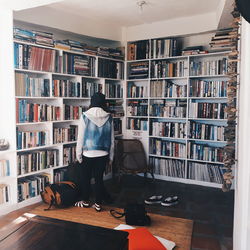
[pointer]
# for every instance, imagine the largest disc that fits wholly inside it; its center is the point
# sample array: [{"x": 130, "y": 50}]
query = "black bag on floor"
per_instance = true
[
  {"x": 61, "y": 194},
  {"x": 135, "y": 214}
]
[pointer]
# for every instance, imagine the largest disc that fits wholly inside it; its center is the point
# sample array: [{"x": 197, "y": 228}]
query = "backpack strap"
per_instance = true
[
  {"x": 116, "y": 214},
  {"x": 52, "y": 195},
  {"x": 72, "y": 184}
]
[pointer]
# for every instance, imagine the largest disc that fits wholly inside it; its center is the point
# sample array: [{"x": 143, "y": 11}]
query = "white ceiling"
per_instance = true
[{"x": 127, "y": 13}]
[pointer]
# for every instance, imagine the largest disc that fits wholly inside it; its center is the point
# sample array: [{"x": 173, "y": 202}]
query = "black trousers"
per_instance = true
[{"x": 94, "y": 167}]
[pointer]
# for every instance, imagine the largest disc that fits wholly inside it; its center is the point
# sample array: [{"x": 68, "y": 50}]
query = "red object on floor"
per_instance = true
[{"x": 142, "y": 239}]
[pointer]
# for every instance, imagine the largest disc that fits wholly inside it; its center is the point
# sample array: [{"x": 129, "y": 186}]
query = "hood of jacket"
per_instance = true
[{"x": 97, "y": 115}]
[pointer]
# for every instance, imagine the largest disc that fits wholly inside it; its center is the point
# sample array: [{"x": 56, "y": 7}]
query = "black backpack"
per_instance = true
[
  {"x": 61, "y": 194},
  {"x": 135, "y": 214}
]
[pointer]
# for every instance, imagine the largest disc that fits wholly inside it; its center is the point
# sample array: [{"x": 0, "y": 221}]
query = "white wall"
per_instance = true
[
  {"x": 242, "y": 188},
  {"x": 173, "y": 27},
  {"x": 60, "y": 20},
  {"x": 7, "y": 92}
]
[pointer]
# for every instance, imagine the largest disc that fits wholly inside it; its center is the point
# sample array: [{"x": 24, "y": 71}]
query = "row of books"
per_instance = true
[
  {"x": 168, "y": 167},
  {"x": 134, "y": 91},
  {"x": 117, "y": 126},
  {"x": 31, "y": 186},
  {"x": 161, "y": 69},
  {"x": 207, "y": 110},
  {"x": 162, "y": 48},
  {"x": 26, "y": 85},
  {"x": 137, "y": 124},
  {"x": 69, "y": 154},
  {"x": 163, "y": 108},
  {"x": 60, "y": 175},
  {"x": 37, "y": 160},
  {"x": 110, "y": 69},
  {"x": 113, "y": 90},
  {"x": 34, "y": 112},
  {"x": 65, "y": 88},
  {"x": 205, "y": 152},
  {"x": 214, "y": 67},
  {"x": 205, "y": 88},
  {"x": 4, "y": 193},
  {"x": 138, "y": 50},
  {"x": 115, "y": 107},
  {"x": 205, "y": 172},
  {"x": 166, "y": 88},
  {"x": 204, "y": 131},
  {"x": 89, "y": 88},
  {"x": 4, "y": 168},
  {"x": 137, "y": 107},
  {"x": 138, "y": 70},
  {"x": 78, "y": 64},
  {"x": 168, "y": 129},
  {"x": 73, "y": 112},
  {"x": 35, "y": 58},
  {"x": 30, "y": 139},
  {"x": 47, "y": 39},
  {"x": 66, "y": 134},
  {"x": 167, "y": 148}
]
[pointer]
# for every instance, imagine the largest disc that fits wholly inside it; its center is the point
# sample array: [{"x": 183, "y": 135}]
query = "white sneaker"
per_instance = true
[
  {"x": 170, "y": 201},
  {"x": 155, "y": 199},
  {"x": 97, "y": 207}
]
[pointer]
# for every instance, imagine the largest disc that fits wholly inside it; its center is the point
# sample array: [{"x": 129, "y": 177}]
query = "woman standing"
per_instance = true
[{"x": 94, "y": 149}]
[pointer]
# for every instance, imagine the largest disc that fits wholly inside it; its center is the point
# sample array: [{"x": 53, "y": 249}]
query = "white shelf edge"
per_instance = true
[
  {"x": 167, "y": 157},
  {"x": 35, "y": 172}
]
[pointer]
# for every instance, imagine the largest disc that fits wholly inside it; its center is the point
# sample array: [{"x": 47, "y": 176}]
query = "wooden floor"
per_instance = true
[{"x": 210, "y": 208}]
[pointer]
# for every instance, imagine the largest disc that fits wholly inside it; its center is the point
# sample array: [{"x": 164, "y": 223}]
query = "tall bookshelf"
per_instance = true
[
  {"x": 175, "y": 104},
  {"x": 52, "y": 88}
]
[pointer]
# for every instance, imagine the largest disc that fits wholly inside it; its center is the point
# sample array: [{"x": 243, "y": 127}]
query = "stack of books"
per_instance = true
[
  {"x": 24, "y": 35},
  {"x": 194, "y": 50},
  {"x": 44, "y": 38},
  {"x": 90, "y": 50},
  {"x": 224, "y": 39},
  {"x": 61, "y": 44},
  {"x": 75, "y": 45}
]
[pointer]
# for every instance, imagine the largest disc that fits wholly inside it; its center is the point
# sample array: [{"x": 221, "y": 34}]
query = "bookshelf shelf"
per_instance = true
[
  {"x": 208, "y": 98},
  {"x": 168, "y": 138},
  {"x": 170, "y": 78},
  {"x": 212, "y": 162},
  {"x": 137, "y": 116},
  {"x": 170, "y": 118},
  {"x": 207, "y": 119},
  {"x": 138, "y": 80},
  {"x": 209, "y": 76},
  {"x": 35, "y": 172},
  {"x": 171, "y": 98},
  {"x": 201, "y": 140},
  {"x": 167, "y": 157},
  {"x": 34, "y": 148},
  {"x": 29, "y": 201}
]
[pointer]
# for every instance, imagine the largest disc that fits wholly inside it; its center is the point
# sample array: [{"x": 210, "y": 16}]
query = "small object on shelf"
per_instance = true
[{"x": 4, "y": 144}]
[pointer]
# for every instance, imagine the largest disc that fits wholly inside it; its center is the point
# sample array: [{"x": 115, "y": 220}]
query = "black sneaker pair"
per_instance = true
[{"x": 158, "y": 199}]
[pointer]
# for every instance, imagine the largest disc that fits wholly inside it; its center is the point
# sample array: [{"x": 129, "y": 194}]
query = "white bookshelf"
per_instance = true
[
  {"x": 186, "y": 79},
  {"x": 59, "y": 101}
]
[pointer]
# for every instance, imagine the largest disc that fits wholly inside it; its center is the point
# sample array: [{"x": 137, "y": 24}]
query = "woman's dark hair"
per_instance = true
[{"x": 98, "y": 100}]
